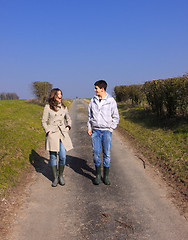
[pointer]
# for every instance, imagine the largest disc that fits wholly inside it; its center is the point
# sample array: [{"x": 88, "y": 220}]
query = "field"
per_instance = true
[{"x": 21, "y": 133}]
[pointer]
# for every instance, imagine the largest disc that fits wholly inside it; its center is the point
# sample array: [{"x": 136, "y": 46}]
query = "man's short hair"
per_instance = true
[{"x": 101, "y": 84}]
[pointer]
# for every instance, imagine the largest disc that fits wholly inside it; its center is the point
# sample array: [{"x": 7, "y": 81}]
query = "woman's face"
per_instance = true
[{"x": 58, "y": 96}]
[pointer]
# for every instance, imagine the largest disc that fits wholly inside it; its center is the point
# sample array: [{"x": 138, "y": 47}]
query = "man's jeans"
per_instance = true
[
  {"x": 101, "y": 138},
  {"x": 62, "y": 156}
]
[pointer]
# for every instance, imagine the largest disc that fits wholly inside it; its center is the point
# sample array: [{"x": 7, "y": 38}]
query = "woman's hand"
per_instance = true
[{"x": 68, "y": 127}]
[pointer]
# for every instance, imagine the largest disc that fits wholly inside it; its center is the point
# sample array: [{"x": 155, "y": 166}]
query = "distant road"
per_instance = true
[{"x": 133, "y": 207}]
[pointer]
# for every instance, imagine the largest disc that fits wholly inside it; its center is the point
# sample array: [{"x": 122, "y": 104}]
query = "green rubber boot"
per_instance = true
[
  {"x": 98, "y": 175},
  {"x": 54, "y": 172},
  {"x": 61, "y": 179},
  {"x": 106, "y": 173}
]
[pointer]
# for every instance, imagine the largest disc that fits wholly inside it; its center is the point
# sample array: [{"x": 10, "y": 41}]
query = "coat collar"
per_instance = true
[{"x": 97, "y": 98}]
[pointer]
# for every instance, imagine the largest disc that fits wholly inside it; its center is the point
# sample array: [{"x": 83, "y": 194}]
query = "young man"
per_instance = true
[{"x": 103, "y": 119}]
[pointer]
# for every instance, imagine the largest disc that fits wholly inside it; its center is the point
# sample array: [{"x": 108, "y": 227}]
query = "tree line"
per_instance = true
[{"x": 8, "y": 96}]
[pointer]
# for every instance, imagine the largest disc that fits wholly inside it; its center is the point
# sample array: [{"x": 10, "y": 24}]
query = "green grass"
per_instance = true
[
  {"x": 67, "y": 102},
  {"x": 162, "y": 141},
  {"x": 21, "y": 133}
]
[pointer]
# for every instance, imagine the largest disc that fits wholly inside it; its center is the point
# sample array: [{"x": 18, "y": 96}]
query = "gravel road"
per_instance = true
[{"x": 134, "y": 206}]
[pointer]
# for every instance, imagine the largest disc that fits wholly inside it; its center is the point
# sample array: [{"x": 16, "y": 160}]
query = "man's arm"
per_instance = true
[
  {"x": 114, "y": 114},
  {"x": 89, "y": 118}
]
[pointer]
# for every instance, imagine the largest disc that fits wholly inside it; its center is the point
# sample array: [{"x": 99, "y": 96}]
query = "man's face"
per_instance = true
[{"x": 99, "y": 91}]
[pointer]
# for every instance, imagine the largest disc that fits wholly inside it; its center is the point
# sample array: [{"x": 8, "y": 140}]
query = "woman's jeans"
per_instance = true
[
  {"x": 101, "y": 138},
  {"x": 62, "y": 156}
]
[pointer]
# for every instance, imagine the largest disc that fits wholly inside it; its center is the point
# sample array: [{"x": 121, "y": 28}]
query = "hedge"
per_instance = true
[{"x": 164, "y": 96}]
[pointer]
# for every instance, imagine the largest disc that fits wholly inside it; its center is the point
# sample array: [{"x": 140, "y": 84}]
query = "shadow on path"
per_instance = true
[
  {"x": 80, "y": 166},
  {"x": 40, "y": 164}
]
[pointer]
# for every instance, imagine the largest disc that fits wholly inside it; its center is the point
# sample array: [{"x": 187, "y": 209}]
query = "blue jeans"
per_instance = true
[
  {"x": 101, "y": 138},
  {"x": 62, "y": 156}
]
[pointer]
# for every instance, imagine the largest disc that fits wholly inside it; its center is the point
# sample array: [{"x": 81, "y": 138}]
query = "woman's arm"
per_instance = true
[
  {"x": 45, "y": 118},
  {"x": 68, "y": 119}
]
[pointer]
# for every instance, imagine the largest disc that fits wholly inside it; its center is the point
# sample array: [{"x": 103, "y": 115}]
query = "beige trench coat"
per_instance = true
[{"x": 54, "y": 125}]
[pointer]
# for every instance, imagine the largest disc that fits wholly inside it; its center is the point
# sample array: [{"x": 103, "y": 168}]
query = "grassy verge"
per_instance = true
[
  {"x": 162, "y": 141},
  {"x": 20, "y": 133},
  {"x": 67, "y": 102}
]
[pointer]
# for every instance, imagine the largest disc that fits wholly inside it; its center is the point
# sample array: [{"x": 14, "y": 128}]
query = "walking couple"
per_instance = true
[{"x": 103, "y": 119}]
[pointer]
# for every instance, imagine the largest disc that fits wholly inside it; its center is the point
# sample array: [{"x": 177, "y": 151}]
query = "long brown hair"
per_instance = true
[{"x": 52, "y": 102}]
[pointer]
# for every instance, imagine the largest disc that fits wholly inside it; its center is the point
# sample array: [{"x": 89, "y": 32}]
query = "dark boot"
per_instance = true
[
  {"x": 98, "y": 175},
  {"x": 61, "y": 180},
  {"x": 54, "y": 172},
  {"x": 106, "y": 173}
]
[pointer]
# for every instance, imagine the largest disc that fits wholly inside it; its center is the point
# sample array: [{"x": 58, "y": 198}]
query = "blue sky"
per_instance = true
[{"x": 73, "y": 43}]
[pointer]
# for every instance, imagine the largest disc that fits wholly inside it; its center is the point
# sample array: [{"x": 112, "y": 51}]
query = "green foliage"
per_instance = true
[
  {"x": 164, "y": 96},
  {"x": 154, "y": 95},
  {"x": 134, "y": 93},
  {"x": 41, "y": 90},
  {"x": 168, "y": 96},
  {"x": 121, "y": 93}
]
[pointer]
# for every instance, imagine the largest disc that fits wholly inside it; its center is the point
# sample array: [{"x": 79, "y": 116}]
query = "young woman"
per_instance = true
[{"x": 56, "y": 123}]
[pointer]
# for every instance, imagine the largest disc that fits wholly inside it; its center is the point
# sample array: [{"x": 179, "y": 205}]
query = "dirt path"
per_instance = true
[{"x": 133, "y": 207}]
